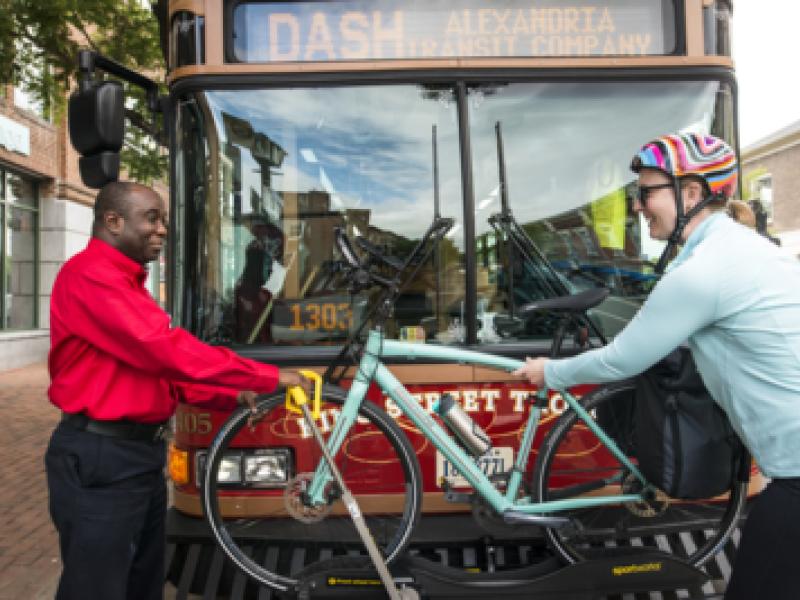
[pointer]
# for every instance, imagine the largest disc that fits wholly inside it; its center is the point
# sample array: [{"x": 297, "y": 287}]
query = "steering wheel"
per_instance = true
[{"x": 360, "y": 277}]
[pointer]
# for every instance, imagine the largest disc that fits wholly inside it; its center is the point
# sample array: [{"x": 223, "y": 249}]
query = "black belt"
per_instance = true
[{"x": 126, "y": 430}]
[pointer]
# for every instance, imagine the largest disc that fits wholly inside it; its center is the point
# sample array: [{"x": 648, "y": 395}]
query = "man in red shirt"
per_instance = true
[{"x": 118, "y": 370}]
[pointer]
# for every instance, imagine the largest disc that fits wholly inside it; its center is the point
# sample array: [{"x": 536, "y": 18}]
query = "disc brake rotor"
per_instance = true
[
  {"x": 650, "y": 507},
  {"x": 294, "y": 498}
]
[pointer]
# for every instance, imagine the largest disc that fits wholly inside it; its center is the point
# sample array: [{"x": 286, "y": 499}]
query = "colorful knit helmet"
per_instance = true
[{"x": 684, "y": 154}]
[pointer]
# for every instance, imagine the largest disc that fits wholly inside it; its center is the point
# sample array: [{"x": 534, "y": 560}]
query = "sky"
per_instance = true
[{"x": 765, "y": 36}]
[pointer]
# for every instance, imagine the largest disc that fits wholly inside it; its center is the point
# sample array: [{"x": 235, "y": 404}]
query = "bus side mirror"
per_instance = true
[{"x": 97, "y": 129}]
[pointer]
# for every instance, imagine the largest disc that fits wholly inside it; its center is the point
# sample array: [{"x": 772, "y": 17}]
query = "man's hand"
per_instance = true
[
  {"x": 247, "y": 398},
  {"x": 532, "y": 370},
  {"x": 288, "y": 378}
]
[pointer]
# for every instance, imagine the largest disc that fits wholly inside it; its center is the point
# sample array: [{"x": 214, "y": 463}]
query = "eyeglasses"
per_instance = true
[{"x": 644, "y": 191}]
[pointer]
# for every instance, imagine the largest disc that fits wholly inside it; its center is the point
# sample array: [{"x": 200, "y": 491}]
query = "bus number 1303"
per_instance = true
[{"x": 325, "y": 316}]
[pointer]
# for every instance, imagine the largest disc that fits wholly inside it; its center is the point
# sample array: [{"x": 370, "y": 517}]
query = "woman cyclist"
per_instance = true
[{"x": 736, "y": 298}]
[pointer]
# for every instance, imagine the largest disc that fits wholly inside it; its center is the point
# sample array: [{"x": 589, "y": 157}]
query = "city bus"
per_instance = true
[{"x": 516, "y": 119}]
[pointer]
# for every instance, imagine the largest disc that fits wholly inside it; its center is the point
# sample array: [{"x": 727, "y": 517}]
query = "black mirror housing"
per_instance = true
[{"x": 99, "y": 169}]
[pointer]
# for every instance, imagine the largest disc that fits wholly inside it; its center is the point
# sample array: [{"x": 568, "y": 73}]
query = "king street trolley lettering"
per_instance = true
[
  {"x": 473, "y": 401},
  {"x": 650, "y": 567}
]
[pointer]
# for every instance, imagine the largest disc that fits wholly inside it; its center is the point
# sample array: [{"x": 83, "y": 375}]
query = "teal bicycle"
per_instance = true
[{"x": 583, "y": 490}]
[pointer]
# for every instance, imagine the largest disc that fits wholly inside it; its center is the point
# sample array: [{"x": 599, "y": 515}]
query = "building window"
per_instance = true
[
  {"x": 761, "y": 196},
  {"x": 19, "y": 260}
]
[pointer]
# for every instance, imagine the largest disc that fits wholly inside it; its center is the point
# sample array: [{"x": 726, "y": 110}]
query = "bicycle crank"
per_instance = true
[{"x": 653, "y": 503}]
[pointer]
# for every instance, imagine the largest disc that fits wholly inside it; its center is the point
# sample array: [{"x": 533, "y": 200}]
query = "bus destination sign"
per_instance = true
[{"x": 409, "y": 29}]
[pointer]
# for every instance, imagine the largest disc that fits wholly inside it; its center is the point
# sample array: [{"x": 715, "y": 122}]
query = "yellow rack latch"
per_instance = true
[{"x": 296, "y": 396}]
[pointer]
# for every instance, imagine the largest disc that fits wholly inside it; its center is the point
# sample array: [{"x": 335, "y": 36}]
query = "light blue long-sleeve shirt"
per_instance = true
[{"x": 736, "y": 298}]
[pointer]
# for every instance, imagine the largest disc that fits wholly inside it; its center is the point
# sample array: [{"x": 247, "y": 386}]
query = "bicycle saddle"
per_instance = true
[{"x": 573, "y": 303}]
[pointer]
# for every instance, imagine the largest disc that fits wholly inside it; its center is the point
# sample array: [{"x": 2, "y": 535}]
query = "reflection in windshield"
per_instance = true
[
  {"x": 566, "y": 143},
  {"x": 566, "y": 180},
  {"x": 287, "y": 167},
  {"x": 265, "y": 176}
]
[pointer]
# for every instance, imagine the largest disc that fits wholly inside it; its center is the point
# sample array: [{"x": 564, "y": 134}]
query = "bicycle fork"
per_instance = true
[{"x": 355, "y": 512}]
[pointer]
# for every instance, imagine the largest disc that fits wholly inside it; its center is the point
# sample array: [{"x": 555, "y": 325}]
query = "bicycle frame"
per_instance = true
[{"x": 372, "y": 369}]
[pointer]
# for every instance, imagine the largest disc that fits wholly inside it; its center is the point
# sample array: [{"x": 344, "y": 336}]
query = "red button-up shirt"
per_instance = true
[{"x": 114, "y": 355}]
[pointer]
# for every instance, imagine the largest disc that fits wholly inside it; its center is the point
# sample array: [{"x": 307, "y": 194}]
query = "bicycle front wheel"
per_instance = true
[
  {"x": 255, "y": 501},
  {"x": 573, "y": 463}
]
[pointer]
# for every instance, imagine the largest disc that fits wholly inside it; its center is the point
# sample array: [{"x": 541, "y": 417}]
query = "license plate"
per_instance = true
[{"x": 495, "y": 462}]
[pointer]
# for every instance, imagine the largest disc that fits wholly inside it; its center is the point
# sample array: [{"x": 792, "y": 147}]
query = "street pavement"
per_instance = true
[{"x": 29, "y": 558}]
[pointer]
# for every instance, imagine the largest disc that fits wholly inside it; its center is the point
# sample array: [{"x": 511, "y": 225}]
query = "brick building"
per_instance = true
[
  {"x": 771, "y": 177},
  {"x": 45, "y": 217}
]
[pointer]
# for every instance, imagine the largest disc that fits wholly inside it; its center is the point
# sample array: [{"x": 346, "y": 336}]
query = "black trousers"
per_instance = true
[
  {"x": 766, "y": 565},
  {"x": 108, "y": 504}
]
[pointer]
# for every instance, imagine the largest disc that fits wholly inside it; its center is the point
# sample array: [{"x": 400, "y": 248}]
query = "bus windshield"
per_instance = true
[{"x": 264, "y": 176}]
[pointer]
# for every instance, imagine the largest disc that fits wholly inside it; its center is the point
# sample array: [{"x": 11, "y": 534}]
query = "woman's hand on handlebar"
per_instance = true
[{"x": 532, "y": 370}]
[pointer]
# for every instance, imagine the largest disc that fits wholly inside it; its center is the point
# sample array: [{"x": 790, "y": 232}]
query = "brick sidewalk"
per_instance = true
[
  {"x": 29, "y": 558},
  {"x": 29, "y": 561}
]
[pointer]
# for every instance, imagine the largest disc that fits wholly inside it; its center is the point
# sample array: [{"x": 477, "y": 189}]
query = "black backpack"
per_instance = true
[{"x": 685, "y": 444}]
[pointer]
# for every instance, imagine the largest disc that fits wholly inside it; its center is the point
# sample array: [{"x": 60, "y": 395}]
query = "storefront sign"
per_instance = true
[
  {"x": 402, "y": 29},
  {"x": 14, "y": 137}
]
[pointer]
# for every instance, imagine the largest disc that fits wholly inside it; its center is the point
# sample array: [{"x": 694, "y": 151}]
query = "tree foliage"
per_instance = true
[{"x": 39, "y": 42}]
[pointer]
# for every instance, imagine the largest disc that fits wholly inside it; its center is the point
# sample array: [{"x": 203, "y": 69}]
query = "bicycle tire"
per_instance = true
[
  {"x": 693, "y": 531},
  {"x": 392, "y": 509}
]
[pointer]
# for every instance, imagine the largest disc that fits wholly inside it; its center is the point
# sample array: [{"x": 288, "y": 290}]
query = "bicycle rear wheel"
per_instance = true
[
  {"x": 574, "y": 463},
  {"x": 276, "y": 460}
]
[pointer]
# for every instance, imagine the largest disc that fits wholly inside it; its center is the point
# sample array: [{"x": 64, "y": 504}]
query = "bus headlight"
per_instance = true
[
  {"x": 267, "y": 467},
  {"x": 262, "y": 467},
  {"x": 230, "y": 469}
]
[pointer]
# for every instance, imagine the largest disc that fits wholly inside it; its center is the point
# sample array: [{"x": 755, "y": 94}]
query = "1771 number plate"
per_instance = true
[{"x": 496, "y": 461}]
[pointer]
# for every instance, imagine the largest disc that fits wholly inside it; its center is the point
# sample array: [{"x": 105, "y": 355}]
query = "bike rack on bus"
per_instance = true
[{"x": 613, "y": 571}]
